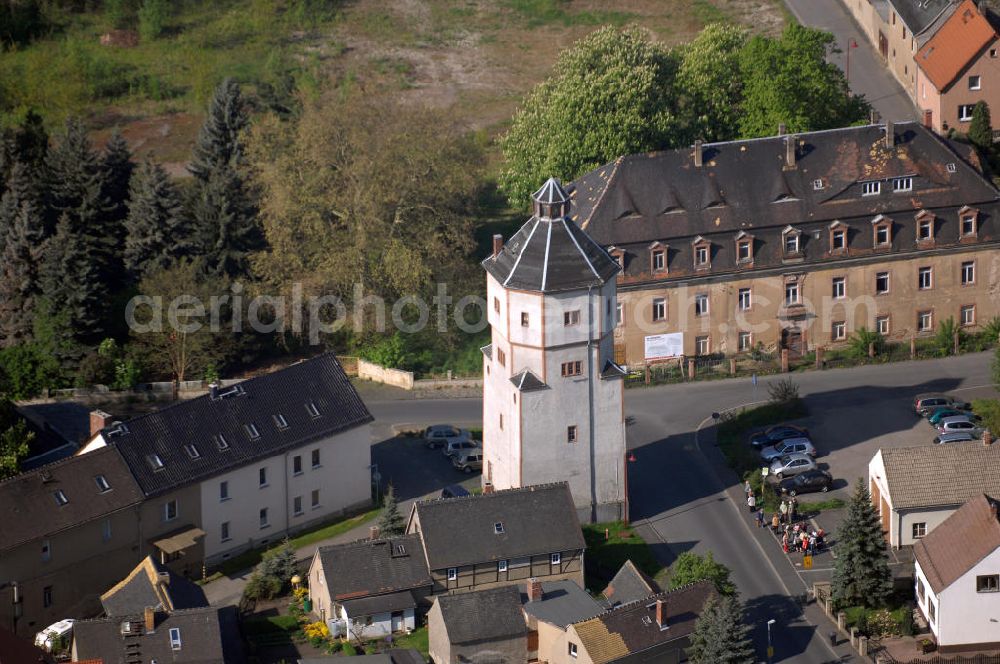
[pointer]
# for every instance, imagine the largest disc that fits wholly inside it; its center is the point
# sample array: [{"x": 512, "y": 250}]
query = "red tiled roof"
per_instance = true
[{"x": 958, "y": 41}]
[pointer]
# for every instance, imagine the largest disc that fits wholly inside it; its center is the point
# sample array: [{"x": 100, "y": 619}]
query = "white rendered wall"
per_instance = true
[{"x": 966, "y": 616}]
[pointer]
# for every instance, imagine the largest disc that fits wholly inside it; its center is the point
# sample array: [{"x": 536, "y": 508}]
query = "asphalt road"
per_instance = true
[
  {"x": 868, "y": 75},
  {"x": 678, "y": 503}
]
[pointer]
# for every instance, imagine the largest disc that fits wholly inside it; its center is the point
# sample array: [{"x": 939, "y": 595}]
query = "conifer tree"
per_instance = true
[
  {"x": 28, "y": 144},
  {"x": 156, "y": 232},
  {"x": 118, "y": 167},
  {"x": 720, "y": 635},
  {"x": 391, "y": 522},
  {"x": 19, "y": 282},
  {"x": 219, "y": 142},
  {"x": 981, "y": 127},
  {"x": 861, "y": 570}
]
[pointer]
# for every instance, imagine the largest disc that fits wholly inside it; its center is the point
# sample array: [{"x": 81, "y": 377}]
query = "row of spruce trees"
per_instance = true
[{"x": 80, "y": 228}]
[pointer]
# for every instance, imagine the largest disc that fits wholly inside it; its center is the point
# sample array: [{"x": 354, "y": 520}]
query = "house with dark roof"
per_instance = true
[
  {"x": 915, "y": 489},
  {"x": 372, "y": 588},
  {"x": 957, "y": 578},
  {"x": 549, "y": 608},
  {"x": 264, "y": 457},
  {"x": 793, "y": 242},
  {"x": 656, "y": 628},
  {"x": 500, "y": 538},
  {"x": 486, "y": 625},
  {"x": 59, "y": 427},
  {"x": 192, "y": 636},
  {"x": 154, "y": 585}
]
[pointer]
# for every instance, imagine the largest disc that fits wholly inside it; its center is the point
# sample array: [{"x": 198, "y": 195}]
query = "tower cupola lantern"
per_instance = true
[{"x": 551, "y": 201}]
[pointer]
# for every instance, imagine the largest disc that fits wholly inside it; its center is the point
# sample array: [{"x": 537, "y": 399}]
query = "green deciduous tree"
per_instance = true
[
  {"x": 721, "y": 636},
  {"x": 156, "y": 229},
  {"x": 981, "y": 127},
  {"x": 690, "y": 567},
  {"x": 391, "y": 522},
  {"x": 789, "y": 80},
  {"x": 612, "y": 94},
  {"x": 710, "y": 89},
  {"x": 861, "y": 570}
]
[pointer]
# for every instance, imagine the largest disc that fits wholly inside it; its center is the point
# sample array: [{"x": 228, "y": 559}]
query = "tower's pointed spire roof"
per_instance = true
[
  {"x": 551, "y": 192},
  {"x": 551, "y": 254}
]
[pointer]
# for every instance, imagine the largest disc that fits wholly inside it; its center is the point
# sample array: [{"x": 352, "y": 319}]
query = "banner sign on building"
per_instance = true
[{"x": 663, "y": 346}]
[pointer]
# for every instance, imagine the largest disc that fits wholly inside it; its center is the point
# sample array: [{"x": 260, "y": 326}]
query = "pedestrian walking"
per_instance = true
[
  {"x": 746, "y": 488},
  {"x": 760, "y": 518},
  {"x": 775, "y": 523},
  {"x": 784, "y": 542},
  {"x": 784, "y": 512},
  {"x": 793, "y": 503},
  {"x": 752, "y": 502}
]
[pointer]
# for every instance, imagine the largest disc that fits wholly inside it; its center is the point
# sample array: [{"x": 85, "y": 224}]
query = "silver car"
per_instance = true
[
  {"x": 792, "y": 464},
  {"x": 455, "y": 448},
  {"x": 788, "y": 446},
  {"x": 468, "y": 461},
  {"x": 439, "y": 435},
  {"x": 959, "y": 423},
  {"x": 955, "y": 437}
]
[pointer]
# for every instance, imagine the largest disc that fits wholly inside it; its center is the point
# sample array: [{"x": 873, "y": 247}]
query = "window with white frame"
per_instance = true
[
  {"x": 968, "y": 225},
  {"x": 224, "y": 532},
  {"x": 170, "y": 510},
  {"x": 175, "y": 638},
  {"x": 452, "y": 574},
  {"x": 975, "y": 82},
  {"x": 262, "y": 518},
  {"x": 965, "y": 112},
  {"x": 659, "y": 309},
  {"x": 838, "y": 331},
  {"x": 744, "y": 342},
  {"x": 870, "y": 188},
  {"x": 571, "y": 318},
  {"x": 919, "y": 530},
  {"x": 881, "y": 283},
  {"x": 882, "y": 324},
  {"x": 701, "y": 255},
  {"x": 744, "y": 251},
  {"x": 925, "y": 278},
  {"x": 791, "y": 292},
  {"x": 791, "y": 244},
  {"x": 223, "y": 491},
  {"x": 925, "y": 321},
  {"x": 659, "y": 260},
  {"x": 619, "y": 314},
  {"x": 297, "y": 506},
  {"x": 501, "y": 566},
  {"x": 839, "y": 288},
  {"x": 262, "y": 477},
  {"x": 702, "y": 345},
  {"x": 967, "y": 315},
  {"x": 968, "y": 273},
  {"x": 744, "y": 299},
  {"x": 701, "y": 304},
  {"x": 988, "y": 583},
  {"x": 314, "y": 458},
  {"x": 838, "y": 239},
  {"x": 925, "y": 230},
  {"x": 882, "y": 235},
  {"x": 555, "y": 559},
  {"x": 572, "y": 650},
  {"x": 900, "y": 185}
]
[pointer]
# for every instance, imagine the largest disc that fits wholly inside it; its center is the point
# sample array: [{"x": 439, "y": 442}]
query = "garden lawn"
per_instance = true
[{"x": 607, "y": 553}]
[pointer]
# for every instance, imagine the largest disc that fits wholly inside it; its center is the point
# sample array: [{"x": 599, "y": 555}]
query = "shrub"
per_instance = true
[
  {"x": 862, "y": 338},
  {"x": 152, "y": 18},
  {"x": 880, "y": 624},
  {"x": 783, "y": 390},
  {"x": 349, "y": 649},
  {"x": 945, "y": 336},
  {"x": 260, "y": 586},
  {"x": 279, "y": 563}
]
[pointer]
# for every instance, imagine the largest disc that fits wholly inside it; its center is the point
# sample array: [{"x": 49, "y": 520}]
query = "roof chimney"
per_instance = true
[
  {"x": 373, "y": 533},
  {"x": 150, "y": 616},
  {"x": 213, "y": 391},
  {"x": 98, "y": 420},
  {"x": 782, "y": 129},
  {"x": 534, "y": 590},
  {"x": 873, "y": 117},
  {"x": 987, "y": 438},
  {"x": 661, "y": 614},
  {"x": 697, "y": 153},
  {"x": 890, "y": 135},
  {"x": 789, "y": 152},
  {"x": 497, "y": 244}
]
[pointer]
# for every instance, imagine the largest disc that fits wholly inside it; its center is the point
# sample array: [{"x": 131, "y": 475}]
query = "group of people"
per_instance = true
[{"x": 795, "y": 536}]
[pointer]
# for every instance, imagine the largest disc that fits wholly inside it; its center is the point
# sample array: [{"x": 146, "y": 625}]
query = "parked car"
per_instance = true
[
  {"x": 439, "y": 434},
  {"x": 807, "y": 482},
  {"x": 454, "y": 491},
  {"x": 468, "y": 461},
  {"x": 455, "y": 447},
  {"x": 787, "y": 446},
  {"x": 955, "y": 437},
  {"x": 958, "y": 423},
  {"x": 942, "y": 412},
  {"x": 777, "y": 433},
  {"x": 925, "y": 403},
  {"x": 792, "y": 464}
]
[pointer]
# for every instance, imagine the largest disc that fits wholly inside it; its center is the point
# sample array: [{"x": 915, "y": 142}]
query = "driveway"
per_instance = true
[{"x": 868, "y": 75}]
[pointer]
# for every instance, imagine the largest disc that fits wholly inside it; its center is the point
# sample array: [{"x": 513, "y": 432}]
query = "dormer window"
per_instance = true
[
  {"x": 498, "y": 528},
  {"x": 175, "y": 638},
  {"x": 882, "y": 230},
  {"x": 871, "y": 188},
  {"x": 744, "y": 248},
  {"x": 220, "y": 442},
  {"x": 838, "y": 237},
  {"x": 702, "y": 253},
  {"x": 252, "y": 431},
  {"x": 102, "y": 484},
  {"x": 60, "y": 497},
  {"x": 791, "y": 244},
  {"x": 619, "y": 257},
  {"x": 951, "y": 167},
  {"x": 280, "y": 421},
  {"x": 312, "y": 409},
  {"x": 818, "y": 184},
  {"x": 192, "y": 451},
  {"x": 902, "y": 185},
  {"x": 155, "y": 462},
  {"x": 968, "y": 220},
  {"x": 658, "y": 257},
  {"x": 925, "y": 226}
]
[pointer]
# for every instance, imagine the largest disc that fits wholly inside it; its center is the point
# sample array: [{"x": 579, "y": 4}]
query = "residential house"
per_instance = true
[
  {"x": 374, "y": 587},
  {"x": 553, "y": 400},
  {"x": 957, "y": 68},
  {"x": 656, "y": 629},
  {"x": 263, "y": 458},
  {"x": 792, "y": 242},
  {"x": 957, "y": 577},
  {"x": 629, "y": 584},
  {"x": 486, "y": 625},
  {"x": 189, "y": 636},
  {"x": 549, "y": 608},
  {"x": 15, "y": 650},
  {"x": 59, "y": 427},
  {"x": 500, "y": 538},
  {"x": 154, "y": 585},
  {"x": 77, "y": 513},
  {"x": 915, "y": 489}
]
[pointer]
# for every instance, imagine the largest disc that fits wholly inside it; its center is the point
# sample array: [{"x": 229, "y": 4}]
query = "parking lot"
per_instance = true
[{"x": 415, "y": 471}]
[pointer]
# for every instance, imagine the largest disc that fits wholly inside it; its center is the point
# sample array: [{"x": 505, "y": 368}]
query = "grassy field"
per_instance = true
[
  {"x": 475, "y": 58},
  {"x": 609, "y": 545}
]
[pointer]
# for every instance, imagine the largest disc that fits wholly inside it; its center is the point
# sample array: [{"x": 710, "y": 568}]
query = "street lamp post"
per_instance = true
[
  {"x": 629, "y": 458},
  {"x": 770, "y": 648},
  {"x": 851, "y": 43}
]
